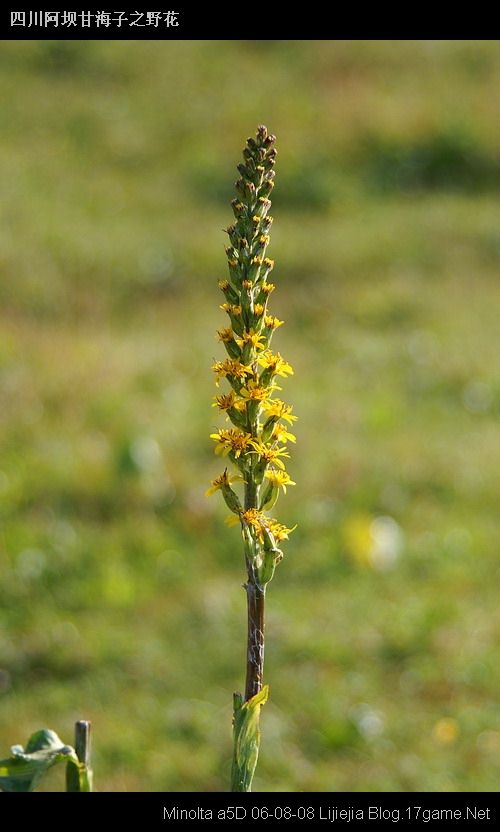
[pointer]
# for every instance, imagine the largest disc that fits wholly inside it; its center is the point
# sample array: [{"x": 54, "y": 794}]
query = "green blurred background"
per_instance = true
[{"x": 121, "y": 597}]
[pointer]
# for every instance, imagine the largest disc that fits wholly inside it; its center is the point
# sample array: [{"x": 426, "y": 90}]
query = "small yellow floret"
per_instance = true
[
  {"x": 275, "y": 363},
  {"x": 231, "y": 440},
  {"x": 253, "y": 338},
  {"x": 278, "y": 408},
  {"x": 225, "y": 335},
  {"x": 269, "y": 454},
  {"x": 282, "y": 434},
  {"x": 253, "y": 392},
  {"x": 231, "y": 367},
  {"x": 272, "y": 322},
  {"x": 280, "y": 479}
]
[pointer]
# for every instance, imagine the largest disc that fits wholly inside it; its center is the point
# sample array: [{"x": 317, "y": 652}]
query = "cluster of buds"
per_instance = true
[{"x": 256, "y": 443}]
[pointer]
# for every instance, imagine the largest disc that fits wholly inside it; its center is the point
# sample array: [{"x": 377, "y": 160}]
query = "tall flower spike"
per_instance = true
[{"x": 255, "y": 445}]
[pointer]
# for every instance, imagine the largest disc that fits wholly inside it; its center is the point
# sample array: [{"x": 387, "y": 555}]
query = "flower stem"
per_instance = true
[
  {"x": 250, "y": 492},
  {"x": 255, "y": 637},
  {"x": 244, "y": 764},
  {"x": 255, "y": 604}
]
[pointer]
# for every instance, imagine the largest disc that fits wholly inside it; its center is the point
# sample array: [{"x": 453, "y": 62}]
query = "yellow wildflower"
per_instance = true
[
  {"x": 275, "y": 363},
  {"x": 271, "y": 455},
  {"x": 257, "y": 520},
  {"x": 279, "y": 409},
  {"x": 231, "y": 440},
  {"x": 225, "y": 334},
  {"x": 231, "y": 367},
  {"x": 256, "y": 440},
  {"x": 253, "y": 338},
  {"x": 267, "y": 288},
  {"x": 278, "y": 531},
  {"x": 282, "y": 434},
  {"x": 279, "y": 479},
  {"x": 231, "y": 309},
  {"x": 251, "y": 517},
  {"x": 253, "y": 392},
  {"x": 221, "y": 482},
  {"x": 271, "y": 322},
  {"x": 225, "y": 402},
  {"x": 240, "y": 404}
]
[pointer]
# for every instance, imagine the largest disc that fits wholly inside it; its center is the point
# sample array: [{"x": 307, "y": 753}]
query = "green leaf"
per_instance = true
[
  {"x": 78, "y": 777},
  {"x": 25, "y": 768},
  {"x": 246, "y": 739}
]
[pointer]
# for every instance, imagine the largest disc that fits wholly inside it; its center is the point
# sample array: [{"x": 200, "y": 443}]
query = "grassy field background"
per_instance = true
[{"x": 120, "y": 590}]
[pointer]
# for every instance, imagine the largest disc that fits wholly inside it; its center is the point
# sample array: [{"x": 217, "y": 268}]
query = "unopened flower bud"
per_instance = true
[
  {"x": 239, "y": 209},
  {"x": 229, "y": 292},
  {"x": 253, "y": 269},
  {"x": 266, "y": 188},
  {"x": 240, "y": 186},
  {"x": 261, "y": 133},
  {"x": 234, "y": 238},
  {"x": 263, "y": 206},
  {"x": 250, "y": 189}
]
